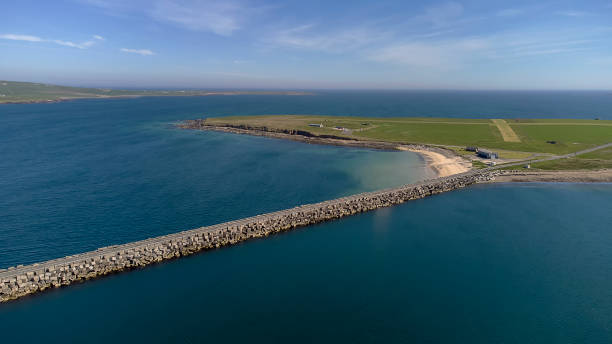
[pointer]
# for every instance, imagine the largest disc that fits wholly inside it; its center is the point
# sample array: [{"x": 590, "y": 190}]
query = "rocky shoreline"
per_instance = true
[
  {"x": 16, "y": 282},
  {"x": 307, "y": 137},
  {"x": 522, "y": 176}
]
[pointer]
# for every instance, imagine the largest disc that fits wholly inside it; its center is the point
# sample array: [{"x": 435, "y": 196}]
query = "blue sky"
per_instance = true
[{"x": 472, "y": 44}]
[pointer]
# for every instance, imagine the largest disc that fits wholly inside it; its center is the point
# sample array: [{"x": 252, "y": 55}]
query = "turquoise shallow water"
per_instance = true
[{"x": 502, "y": 263}]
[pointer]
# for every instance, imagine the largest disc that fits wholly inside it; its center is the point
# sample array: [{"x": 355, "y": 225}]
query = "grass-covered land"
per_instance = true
[
  {"x": 536, "y": 135},
  {"x": 25, "y": 92},
  {"x": 590, "y": 161}
]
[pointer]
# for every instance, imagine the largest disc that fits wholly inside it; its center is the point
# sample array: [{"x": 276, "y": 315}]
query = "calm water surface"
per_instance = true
[{"x": 492, "y": 264}]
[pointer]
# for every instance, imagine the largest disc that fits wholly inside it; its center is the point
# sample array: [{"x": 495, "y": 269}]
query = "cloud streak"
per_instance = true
[
  {"x": 457, "y": 53},
  {"x": 304, "y": 37},
  {"x": 36, "y": 39},
  {"x": 441, "y": 15},
  {"x": 143, "y": 52},
  {"x": 26, "y": 38},
  {"x": 509, "y": 12},
  {"x": 221, "y": 17},
  {"x": 83, "y": 45},
  {"x": 442, "y": 54},
  {"x": 572, "y": 13},
  {"x": 441, "y": 40}
]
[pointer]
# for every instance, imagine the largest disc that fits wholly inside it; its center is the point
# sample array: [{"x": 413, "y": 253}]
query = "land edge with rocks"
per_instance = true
[
  {"x": 443, "y": 162},
  {"x": 543, "y": 176},
  {"x": 457, "y": 163}
]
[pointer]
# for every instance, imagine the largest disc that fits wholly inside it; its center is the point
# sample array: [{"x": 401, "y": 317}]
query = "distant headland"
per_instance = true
[{"x": 15, "y": 92}]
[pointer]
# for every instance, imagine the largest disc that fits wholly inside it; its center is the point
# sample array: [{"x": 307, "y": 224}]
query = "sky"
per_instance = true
[{"x": 340, "y": 44}]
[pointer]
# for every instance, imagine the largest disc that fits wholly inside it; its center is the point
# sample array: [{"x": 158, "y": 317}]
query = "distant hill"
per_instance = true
[{"x": 29, "y": 92}]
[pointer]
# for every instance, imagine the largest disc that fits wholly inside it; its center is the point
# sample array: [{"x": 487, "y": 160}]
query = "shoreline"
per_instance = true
[
  {"x": 203, "y": 94},
  {"x": 441, "y": 161},
  {"x": 541, "y": 176},
  {"x": 442, "y": 165},
  {"x": 66, "y": 99}
]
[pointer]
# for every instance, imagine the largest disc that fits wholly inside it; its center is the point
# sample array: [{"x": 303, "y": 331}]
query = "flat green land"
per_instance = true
[
  {"x": 536, "y": 135},
  {"x": 590, "y": 161},
  {"x": 26, "y": 92}
]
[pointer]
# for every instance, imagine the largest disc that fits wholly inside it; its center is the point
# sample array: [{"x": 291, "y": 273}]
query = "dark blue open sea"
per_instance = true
[{"x": 520, "y": 263}]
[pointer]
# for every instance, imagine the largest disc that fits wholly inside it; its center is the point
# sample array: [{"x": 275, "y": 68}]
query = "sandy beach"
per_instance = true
[{"x": 442, "y": 165}]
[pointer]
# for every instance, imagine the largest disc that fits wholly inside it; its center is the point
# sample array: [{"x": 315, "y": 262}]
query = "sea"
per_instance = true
[{"x": 502, "y": 263}]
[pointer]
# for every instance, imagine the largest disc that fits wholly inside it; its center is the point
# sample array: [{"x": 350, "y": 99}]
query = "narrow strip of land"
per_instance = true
[
  {"x": 506, "y": 131},
  {"x": 23, "y": 280},
  {"x": 597, "y": 176}
]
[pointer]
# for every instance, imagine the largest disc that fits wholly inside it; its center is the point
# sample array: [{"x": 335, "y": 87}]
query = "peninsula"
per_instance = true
[
  {"x": 449, "y": 144},
  {"x": 14, "y": 92}
]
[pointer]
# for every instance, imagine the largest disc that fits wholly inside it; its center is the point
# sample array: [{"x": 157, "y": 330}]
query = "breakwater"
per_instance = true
[{"x": 19, "y": 281}]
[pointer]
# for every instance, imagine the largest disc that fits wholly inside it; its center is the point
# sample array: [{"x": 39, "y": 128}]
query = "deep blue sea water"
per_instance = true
[{"x": 490, "y": 264}]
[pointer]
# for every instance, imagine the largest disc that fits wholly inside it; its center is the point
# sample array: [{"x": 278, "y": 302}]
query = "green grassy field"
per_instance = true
[
  {"x": 24, "y": 92},
  {"x": 590, "y": 161},
  {"x": 569, "y": 135}
]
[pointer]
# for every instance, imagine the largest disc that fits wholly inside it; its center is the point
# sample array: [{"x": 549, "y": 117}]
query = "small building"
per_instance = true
[
  {"x": 471, "y": 149},
  {"x": 487, "y": 154},
  {"x": 527, "y": 166},
  {"x": 318, "y": 125}
]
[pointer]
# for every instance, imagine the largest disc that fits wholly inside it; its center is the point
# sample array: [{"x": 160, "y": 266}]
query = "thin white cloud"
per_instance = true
[
  {"x": 509, "y": 12},
  {"x": 443, "y": 54},
  {"x": 83, "y": 45},
  {"x": 221, "y": 17},
  {"x": 113, "y": 6},
  {"x": 99, "y": 38},
  {"x": 36, "y": 39},
  {"x": 305, "y": 37},
  {"x": 26, "y": 38},
  {"x": 572, "y": 13},
  {"x": 457, "y": 53},
  {"x": 144, "y": 52},
  {"x": 443, "y": 14}
]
